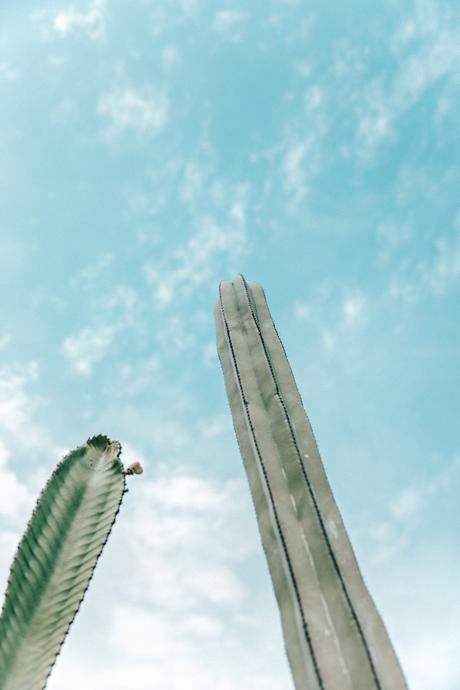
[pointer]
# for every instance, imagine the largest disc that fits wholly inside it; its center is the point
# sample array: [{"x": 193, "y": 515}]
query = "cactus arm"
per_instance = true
[
  {"x": 340, "y": 640},
  {"x": 55, "y": 561}
]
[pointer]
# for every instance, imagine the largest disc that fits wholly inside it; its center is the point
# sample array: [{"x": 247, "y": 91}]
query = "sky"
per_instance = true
[{"x": 149, "y": 150}]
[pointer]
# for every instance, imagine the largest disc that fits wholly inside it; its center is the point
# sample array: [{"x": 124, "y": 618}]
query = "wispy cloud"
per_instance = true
[
  {"x": 426, "y": 49},
  {"x": 301, "y": 150},
  {"x": 14, "y": 495},
  {"x": 92, "y": 343},
  {"x": 87, "y": 347},
  {"x": 93, "y": 21},
  {"x": 444, "y": 271},
  {"x": 17, "y": 406},
  {"x": 23, "y": 440},
  {"x": 295, "y": 169},
  {"x": 338, "y": 314},
  {"x": 354, "y": 307},
  {"x": 230, "y": 24},
  {"x": 89, "y": 274},
  {"x": 433, "y": 274},
  {"x": 142, "y": 111},
  {"x": 212, "y": 245},
  {"x": 406, "y": 511}
]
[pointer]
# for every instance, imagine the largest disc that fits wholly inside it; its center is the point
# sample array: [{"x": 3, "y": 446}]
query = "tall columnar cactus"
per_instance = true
[
  {"x": 55, "y": 560},
  {"x": 334, "y": 636}
]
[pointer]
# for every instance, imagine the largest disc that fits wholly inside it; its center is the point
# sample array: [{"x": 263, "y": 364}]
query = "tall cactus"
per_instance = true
[
  {"x": 55, "y": 560},
  {"x": 334, "y": 636}
]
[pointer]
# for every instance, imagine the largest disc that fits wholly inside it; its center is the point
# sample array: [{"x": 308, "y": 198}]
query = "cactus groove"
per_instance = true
[
  {"x": 334, "y": 636},
  {"x": 55, "y": 561}
]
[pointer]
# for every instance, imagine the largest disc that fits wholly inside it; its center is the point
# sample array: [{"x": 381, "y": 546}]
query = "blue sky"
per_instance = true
[{"x": 147, "y": 151}]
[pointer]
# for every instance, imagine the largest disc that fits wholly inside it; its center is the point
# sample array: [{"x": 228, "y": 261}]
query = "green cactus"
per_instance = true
[
  {"x": 55, "y": 561},
  {"x": 334, "y": 636}
]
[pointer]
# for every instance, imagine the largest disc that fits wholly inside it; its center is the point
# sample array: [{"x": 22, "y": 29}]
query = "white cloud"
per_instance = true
[
  {"x": 426, "y": 50},
  {"x": 375, "y": 122},
  {"x": 407, "y": 503},
  {"x": 418, "y": 599},
  {"x": 16, "y": 406},
  {"x": 209, "y": 353},
  {"x": 302, "y": 311},
  {"x": 415, "y": 593},
  {"x": 230, "y": 23},
  {"x": 87, "y": 276},
  {"x": 353, "y": 308},
  {"x": 22, "y": 435},
  {"x": 120, "y": 301},
  {"x": 434, "y": 275},
  {"x": 180, "y": 520},
  {"x": 14, "y": 495},
  {"x": 93, "y": 21},
  {"x": 89, "y": 346},
  {"x": 200, "y": 259},
  {"x": 407, "y": 509},
  {"x": 294, "y": 169},
  {"x": 228, "y": 664},
  {"x": 445, "y": 268},
  {"x": 22, "y": 441},
  {"x": 338, "y": 315},
  {"x": 4, "y": 454},
  {"x": 187, "y": 492},
  {"x": 131, "y": 109},
  {"x": 413, "y": 579},
  {"x": 301, "y": 154},
  {"x": 179, "y": 606},
  {"x": 432, "y": 661},
  {"x": 92, "y": 343}
]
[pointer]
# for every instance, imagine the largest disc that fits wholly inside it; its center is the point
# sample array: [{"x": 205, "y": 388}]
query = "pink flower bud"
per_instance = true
[{"x": 135, "y": 468}]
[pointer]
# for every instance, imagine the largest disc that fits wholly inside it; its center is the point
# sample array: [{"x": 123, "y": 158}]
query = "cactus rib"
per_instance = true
[
  {"x": 333, "y": 633},
  {"x": 55, "y": 561}
]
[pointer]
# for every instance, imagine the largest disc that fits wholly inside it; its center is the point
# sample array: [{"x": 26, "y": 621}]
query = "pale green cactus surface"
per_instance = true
[
  {"x": 334, "y": 636},
  {"x": 55, "y": 561}
]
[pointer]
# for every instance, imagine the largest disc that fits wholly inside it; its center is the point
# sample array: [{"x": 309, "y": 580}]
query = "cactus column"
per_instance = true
[{"x": 334, "y": 636}]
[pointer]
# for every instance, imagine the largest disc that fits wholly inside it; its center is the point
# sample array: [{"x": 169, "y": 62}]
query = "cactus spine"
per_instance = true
[
  {"x": 334, "y": 636},
  {"x": 55, "y": 561}
]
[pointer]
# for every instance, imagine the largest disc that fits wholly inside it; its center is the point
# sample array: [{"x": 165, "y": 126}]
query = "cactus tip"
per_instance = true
[{"x": 99, "y": 441}]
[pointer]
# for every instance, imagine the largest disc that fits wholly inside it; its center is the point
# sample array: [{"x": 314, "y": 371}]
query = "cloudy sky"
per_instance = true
[{"x": 150, "y": 149}]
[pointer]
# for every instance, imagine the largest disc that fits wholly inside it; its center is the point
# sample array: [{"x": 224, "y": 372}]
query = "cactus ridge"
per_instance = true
[
  {"x": 55, "y": 561},
  {"x": 333, "y": 633}
]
